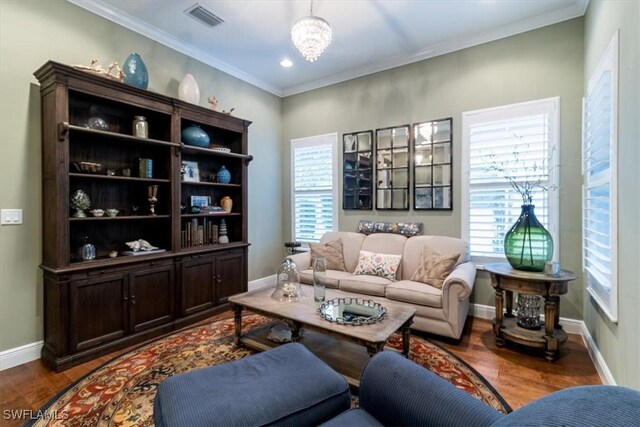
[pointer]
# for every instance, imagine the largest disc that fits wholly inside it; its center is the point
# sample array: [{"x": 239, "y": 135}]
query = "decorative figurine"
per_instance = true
[
  {"x": 222, "y": 237},
  {"x": 213, "y": 102},
  {"x": 97, "y": 69},
  {"x": 152, "y": 196},
  {"x": 80, "y": 201},
  {"x": 140, "y": 245}
]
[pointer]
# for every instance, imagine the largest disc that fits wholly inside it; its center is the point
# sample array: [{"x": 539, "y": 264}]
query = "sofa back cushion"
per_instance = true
[
  {"x": 351, "y": 245},
  {"x": 440, "y": 244}
]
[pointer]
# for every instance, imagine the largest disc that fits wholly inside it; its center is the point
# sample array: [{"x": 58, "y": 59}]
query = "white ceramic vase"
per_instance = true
[{"x": 188, "y": 90}]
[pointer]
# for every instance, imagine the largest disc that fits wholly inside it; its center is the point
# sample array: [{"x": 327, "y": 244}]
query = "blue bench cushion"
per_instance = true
[
  {"x": 287, "y": 385},
  {"x": 353, "y": 417},
  {"x": 583, "y": 406}
]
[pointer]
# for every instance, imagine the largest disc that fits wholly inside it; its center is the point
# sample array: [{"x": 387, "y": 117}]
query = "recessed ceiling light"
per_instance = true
[{"x": 286, "y": 63}]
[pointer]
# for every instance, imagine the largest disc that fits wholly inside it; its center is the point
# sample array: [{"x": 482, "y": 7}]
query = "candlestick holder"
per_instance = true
[{"x": 152, "y": 197}]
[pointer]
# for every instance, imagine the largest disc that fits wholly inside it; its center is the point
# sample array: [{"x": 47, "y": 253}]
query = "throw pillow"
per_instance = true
[
  {"x": 383, "y": 265},
  {"x": 331, "y": 252},
  {"x": 434, "y": 268}
]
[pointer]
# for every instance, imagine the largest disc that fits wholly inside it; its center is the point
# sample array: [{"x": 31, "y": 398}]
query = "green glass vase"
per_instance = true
[{"x": 528, "y": 245}]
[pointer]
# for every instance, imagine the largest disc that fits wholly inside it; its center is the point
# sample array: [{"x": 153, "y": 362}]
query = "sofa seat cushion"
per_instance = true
[
  {"x": 367, "y": 285},
  {"x": 333, "y": 277},
  {"x": 414, "y": 293}
]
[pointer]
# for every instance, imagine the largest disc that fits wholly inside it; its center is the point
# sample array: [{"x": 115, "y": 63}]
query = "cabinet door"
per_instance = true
[
  {"x": 150, "y": 298},
  {"x": 229, "y": 275},
  {"x": 198, "y": 285},
  {"x": 98, "y": 311}
]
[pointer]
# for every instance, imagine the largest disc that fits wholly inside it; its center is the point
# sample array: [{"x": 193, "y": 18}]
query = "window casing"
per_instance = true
[
  {"x": 314, "y": 188},
  {"x": 525, "y": 134}
]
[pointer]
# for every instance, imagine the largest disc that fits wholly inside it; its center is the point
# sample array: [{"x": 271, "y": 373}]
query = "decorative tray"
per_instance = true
[
  {"x": 221, "y": 149},
  {"x": 352, "y": 311}
]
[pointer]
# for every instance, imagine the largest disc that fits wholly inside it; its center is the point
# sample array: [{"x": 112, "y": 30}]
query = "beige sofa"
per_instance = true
[{"x": 442, "y": 312}]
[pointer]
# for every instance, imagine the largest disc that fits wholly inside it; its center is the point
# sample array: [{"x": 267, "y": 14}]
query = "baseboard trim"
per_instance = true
[
  {"x": 263, "y": 282},
  {"x": 601, "y": 366},
  {"x": 19, "y": 355},
  {"x": 30, "y": 352},
  {"x": 570, "y": 326}
]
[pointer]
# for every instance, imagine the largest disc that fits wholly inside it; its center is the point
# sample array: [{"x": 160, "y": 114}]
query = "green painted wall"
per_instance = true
[
  {"x": 539, "y": 64},
  {"x": 619, "y": 343},
  {"x": 34, "y": 31}
]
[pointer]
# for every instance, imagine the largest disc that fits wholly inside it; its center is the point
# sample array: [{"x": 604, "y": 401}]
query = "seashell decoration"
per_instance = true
[{"x": 141, "y": 245}]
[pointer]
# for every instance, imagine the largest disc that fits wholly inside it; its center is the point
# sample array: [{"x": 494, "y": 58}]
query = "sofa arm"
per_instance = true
[
  {"x": 302, "y": 260},
  {"x": 396, "y": 391},
  {"x": 464, "y": 275}
]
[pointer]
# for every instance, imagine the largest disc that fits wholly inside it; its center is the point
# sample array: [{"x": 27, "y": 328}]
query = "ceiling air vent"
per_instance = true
[{"x": 203, "y": 15}]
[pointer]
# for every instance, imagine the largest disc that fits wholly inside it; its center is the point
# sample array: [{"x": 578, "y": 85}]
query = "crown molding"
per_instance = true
[
  {"x": 100, "y": 8},
  {"x": 445, "y": 47}
]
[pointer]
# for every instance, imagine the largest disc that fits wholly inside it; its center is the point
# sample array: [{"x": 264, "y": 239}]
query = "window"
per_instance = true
[
  {"x": 521, "y": 137},
  {"x": 599, "y": 213},
  {"x": 314, "y": 186}
]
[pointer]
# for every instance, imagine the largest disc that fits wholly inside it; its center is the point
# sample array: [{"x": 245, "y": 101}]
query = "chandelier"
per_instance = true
[{"x": 311, "y": 35}]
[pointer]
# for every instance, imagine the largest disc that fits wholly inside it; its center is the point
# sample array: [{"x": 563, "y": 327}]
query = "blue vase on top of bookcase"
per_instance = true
[{"x": 135, "y": 72}]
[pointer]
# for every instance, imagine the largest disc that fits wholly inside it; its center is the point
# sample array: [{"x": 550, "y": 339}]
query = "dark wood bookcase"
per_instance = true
[{"x": 97, "y": 306}]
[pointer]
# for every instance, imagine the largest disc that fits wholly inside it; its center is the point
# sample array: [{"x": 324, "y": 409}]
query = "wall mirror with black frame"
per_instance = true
[
  {"x": 392, "y": 168},
  {"x": 432, "y": 165},
  {"x": 357, "y": 170}
]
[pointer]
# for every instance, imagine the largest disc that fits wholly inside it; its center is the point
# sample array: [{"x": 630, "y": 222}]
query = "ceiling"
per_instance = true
[{"x": 368, "y": 35}]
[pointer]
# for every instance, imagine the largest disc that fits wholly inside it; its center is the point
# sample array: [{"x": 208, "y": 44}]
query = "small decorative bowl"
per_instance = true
[
  {"x": 88, "y": 167},
  {"x": 97, "y": 212},
  {"x": 112, "y": 212}
]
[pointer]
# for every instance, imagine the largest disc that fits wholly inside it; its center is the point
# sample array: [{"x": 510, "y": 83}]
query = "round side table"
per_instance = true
[{"x": 505, "y": 280}]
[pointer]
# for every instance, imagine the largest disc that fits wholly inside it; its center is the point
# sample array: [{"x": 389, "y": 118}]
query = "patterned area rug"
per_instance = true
[{"x": 121, "y": 392}]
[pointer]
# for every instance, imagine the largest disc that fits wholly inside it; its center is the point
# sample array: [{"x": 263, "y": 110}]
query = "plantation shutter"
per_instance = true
[
  {"x": 518, "y": 139},
  {"x": 314, "y": 184},
  {"x": 599, "y": 156}
]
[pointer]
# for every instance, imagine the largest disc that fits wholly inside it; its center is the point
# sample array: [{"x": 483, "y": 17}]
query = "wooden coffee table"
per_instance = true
[{"x": 346, "y": 348}]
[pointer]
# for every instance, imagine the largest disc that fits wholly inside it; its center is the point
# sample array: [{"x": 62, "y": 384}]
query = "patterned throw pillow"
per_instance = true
[
  {"x": 434, "y": 268},
  {"x": 331, "y": 252},
  {"x": 383, "y": 265},
  {"x": 404, "y": 228}
]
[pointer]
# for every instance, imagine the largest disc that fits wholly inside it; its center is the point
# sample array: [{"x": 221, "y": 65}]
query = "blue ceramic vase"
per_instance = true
[
  {"x": 194, "y": 135},
  {"x": 135, "y": 72},
  {"x": 223, "y": 176}
]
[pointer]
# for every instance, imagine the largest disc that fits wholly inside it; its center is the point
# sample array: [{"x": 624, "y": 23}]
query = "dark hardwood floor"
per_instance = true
[{"x": 519, "y": 375}]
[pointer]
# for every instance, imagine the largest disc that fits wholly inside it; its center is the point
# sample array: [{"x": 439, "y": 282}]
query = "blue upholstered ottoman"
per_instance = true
[{"x": 284, "y": 386}]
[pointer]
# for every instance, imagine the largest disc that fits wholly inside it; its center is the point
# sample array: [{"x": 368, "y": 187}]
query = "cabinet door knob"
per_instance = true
[
  {"x": 125, "y": 299},
  {"x": 133, "y": 299}
]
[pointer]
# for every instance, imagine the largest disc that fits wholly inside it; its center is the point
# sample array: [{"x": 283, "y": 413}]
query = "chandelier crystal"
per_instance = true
[{"x": 311, "y": 35}]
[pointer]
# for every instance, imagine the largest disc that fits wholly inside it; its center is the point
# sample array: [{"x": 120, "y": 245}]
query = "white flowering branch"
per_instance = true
[{"x": 535, "y": 175}]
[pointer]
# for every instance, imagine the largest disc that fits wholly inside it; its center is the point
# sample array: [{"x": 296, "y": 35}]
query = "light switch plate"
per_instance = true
[{"x": 11, "y": 216}]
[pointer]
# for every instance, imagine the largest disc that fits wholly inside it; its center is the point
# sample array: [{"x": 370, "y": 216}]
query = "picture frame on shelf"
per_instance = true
[
  {"x": 200, "y": 201},
  {"x": 190, "y": 171}
]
